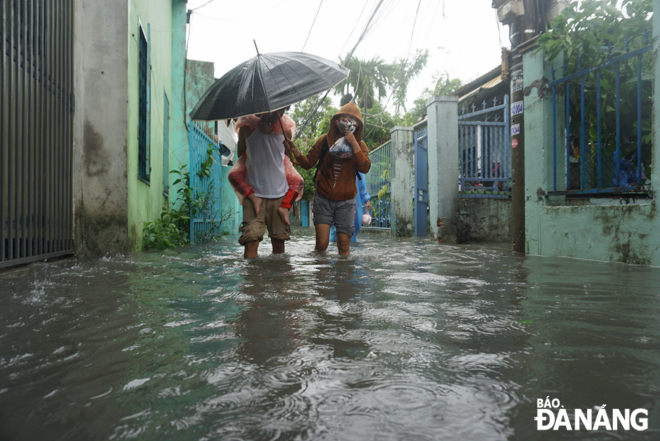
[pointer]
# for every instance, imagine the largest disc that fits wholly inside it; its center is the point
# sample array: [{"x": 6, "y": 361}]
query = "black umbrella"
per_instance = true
[{"x": 266, "y": 83}]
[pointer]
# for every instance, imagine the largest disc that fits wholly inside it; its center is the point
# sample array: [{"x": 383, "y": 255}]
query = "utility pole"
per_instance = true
[{"x": 526, "y": 19}]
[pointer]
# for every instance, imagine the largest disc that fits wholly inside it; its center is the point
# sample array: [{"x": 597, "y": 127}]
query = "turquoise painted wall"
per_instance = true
[
  {"x": 179, "y": 135},
  {"x": 145, "y": 201},
  {"x": 602, "y": 230},
  {"x": 166, "y": 19}
]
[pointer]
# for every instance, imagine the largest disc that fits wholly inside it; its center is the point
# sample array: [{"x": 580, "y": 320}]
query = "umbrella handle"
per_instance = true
[
  {"x": 293, "y": 159},
  {"x": 282, "y": 125}
]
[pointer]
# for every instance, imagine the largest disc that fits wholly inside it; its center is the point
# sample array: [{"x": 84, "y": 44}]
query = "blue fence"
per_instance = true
[
  {"x": 421, "y": 139},
  {"x": 612, "y": 154},
  {"x": 379, "y": 186},
  {"x": 304, "y": 213},
  {"x": 485, "y": 151},
  {"x": 206, "y": 213}
]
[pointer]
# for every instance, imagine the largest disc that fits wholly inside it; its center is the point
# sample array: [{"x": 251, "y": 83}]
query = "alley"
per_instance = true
[{"x": 406, "y": 339}]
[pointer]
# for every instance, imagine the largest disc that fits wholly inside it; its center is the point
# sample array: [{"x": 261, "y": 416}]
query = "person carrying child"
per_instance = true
[
  {"x": 265, "y": 181},
  {"x": 339, "y": 160}
]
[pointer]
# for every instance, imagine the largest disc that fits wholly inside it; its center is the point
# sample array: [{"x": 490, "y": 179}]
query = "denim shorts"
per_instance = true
[{"x": 341, "y": 214}]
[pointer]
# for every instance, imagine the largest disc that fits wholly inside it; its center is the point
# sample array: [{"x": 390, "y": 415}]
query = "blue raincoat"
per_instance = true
[{"x": 361, "y": 199}]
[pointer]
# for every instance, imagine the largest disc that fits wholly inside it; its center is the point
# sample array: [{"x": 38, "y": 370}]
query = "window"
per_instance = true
[
  {"x": 166, "y": 145},
  {"x": 143, "y": 109}
]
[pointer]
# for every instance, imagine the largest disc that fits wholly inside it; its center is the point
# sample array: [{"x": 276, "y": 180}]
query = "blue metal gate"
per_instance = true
[
  {"x": 421, "y": 181},
  {"x": 484, "y": 151},
  {"x": 206, "y": 213},
  {"x": 379, "y": 187},
  {"x": 304, "y": 213}
]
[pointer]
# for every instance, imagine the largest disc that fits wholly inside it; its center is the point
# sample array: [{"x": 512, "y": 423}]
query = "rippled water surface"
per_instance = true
[{"x": 405, "y": 340}]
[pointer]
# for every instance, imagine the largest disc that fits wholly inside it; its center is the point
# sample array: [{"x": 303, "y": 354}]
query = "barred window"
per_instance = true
[
  {"x": 143, "y": 111},
  {"x": 166, "y": 145}
]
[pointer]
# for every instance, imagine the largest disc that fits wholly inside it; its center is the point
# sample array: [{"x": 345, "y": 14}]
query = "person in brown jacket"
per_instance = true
[{"x": 334, "y": 201}]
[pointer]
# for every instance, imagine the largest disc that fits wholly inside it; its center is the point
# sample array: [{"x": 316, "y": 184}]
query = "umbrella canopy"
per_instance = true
[{"x": 266, "y": 83}]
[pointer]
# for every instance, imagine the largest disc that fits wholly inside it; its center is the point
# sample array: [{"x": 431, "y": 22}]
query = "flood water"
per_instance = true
[{"x": 405, "y": 340}]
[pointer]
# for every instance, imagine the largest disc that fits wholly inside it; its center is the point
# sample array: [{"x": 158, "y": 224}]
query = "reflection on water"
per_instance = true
[{"x": 406, "y": 339}]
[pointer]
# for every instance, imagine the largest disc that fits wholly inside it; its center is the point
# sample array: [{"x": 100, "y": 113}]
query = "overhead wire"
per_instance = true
[
  {"x": 403, "y": 66},
  {"x": 312, "y": 27},
  {"x": 431, "y": 27},
  {"x": 354, "y": 27},
  {"x": 198, "y": 7},
  {"x": 346, "y": 61}
]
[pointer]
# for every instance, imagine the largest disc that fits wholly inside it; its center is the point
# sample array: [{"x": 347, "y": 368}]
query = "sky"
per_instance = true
[{"x": 461, "y": 35}]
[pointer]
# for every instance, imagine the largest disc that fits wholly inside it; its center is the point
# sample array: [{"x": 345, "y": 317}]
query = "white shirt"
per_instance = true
[{"x": 265, "y": 165}]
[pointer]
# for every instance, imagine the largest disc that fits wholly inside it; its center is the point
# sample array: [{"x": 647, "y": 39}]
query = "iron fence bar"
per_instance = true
[
  {"x": 470, "y": 155},
  {"x": 13, "y": 130},
  {"x": 32, "y": 132},
  {"x": 40, "y": 102},
  {"x": 603, "y": 65},
  {"x": 639, "y": 120},
  {"x": 598, "y": 130},
  {"x": 71, "y": 113},
  {"x": 583, "y": 180},
  {"x": 192, "y": 176},
  {"x": 617, "y": 152},
  {"x": 479, "y": 179},
  {"x": 593, "y": 191},
  {"x": 481, "y": 112},
  {"x": 484, "y": 196},
  {"x": 554, "y": 133},
  {"x": 482, "y": 123},
  {"x": 507, "y": 140},
  {"x": 568, "y": 135},
  {"x": 48, "y": 207},
  {"x": 17, "y": 132},
  {"x": 60, "y": 132},
  {"x": 22, "y": 260},
  {"x": 54, "y": 130},
  {"x": 468, "y": 148},
  {"x": 4, "y": 99},
  {"x": 486, "y": 148},
  {"x": 461, "y": 152},
  {"x": 21, "y": 132},
  {"x": 475, "y": 138},
  {"x": 65, "y": 120}
]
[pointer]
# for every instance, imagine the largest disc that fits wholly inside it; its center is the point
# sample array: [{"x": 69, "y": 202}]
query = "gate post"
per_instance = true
[
  {"x": 443, "y": 166},
  {"x": 402, "y": 181}
]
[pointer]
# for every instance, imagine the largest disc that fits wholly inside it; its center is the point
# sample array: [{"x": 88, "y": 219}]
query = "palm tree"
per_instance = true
[{"x": 366, "y": 79}]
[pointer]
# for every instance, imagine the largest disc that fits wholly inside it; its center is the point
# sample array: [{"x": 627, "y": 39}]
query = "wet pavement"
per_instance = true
[{"x": 404, "y": 340}]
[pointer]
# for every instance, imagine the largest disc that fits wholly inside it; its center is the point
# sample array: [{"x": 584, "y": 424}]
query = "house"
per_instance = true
[
  {"x": 96, "y": 92},
  {"x": 129, "y": 57}
]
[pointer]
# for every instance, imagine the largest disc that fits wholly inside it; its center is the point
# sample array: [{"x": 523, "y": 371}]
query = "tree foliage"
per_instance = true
[{"x": 442, "y": 85}]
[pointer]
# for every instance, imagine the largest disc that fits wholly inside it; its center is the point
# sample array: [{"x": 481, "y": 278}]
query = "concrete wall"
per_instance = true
[
  {"x": 403, "y": 183},
  {"x": 145, "y": 201},
  {"x": 100, "y": 141},
  {"x": 601, "y": 229},
  {"x": 483, "y": 220}
]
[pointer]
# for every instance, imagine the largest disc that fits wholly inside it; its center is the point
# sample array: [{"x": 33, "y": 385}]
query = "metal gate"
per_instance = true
[
  {"x": 484, "y": 151},
  {"x": 421, "y": 181},
  {"x": 206, "y": 213},
  {"x": 379, "y": 187},
  {"x": 304, "y": 213},
  {"x": 36, "y": 130}
]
